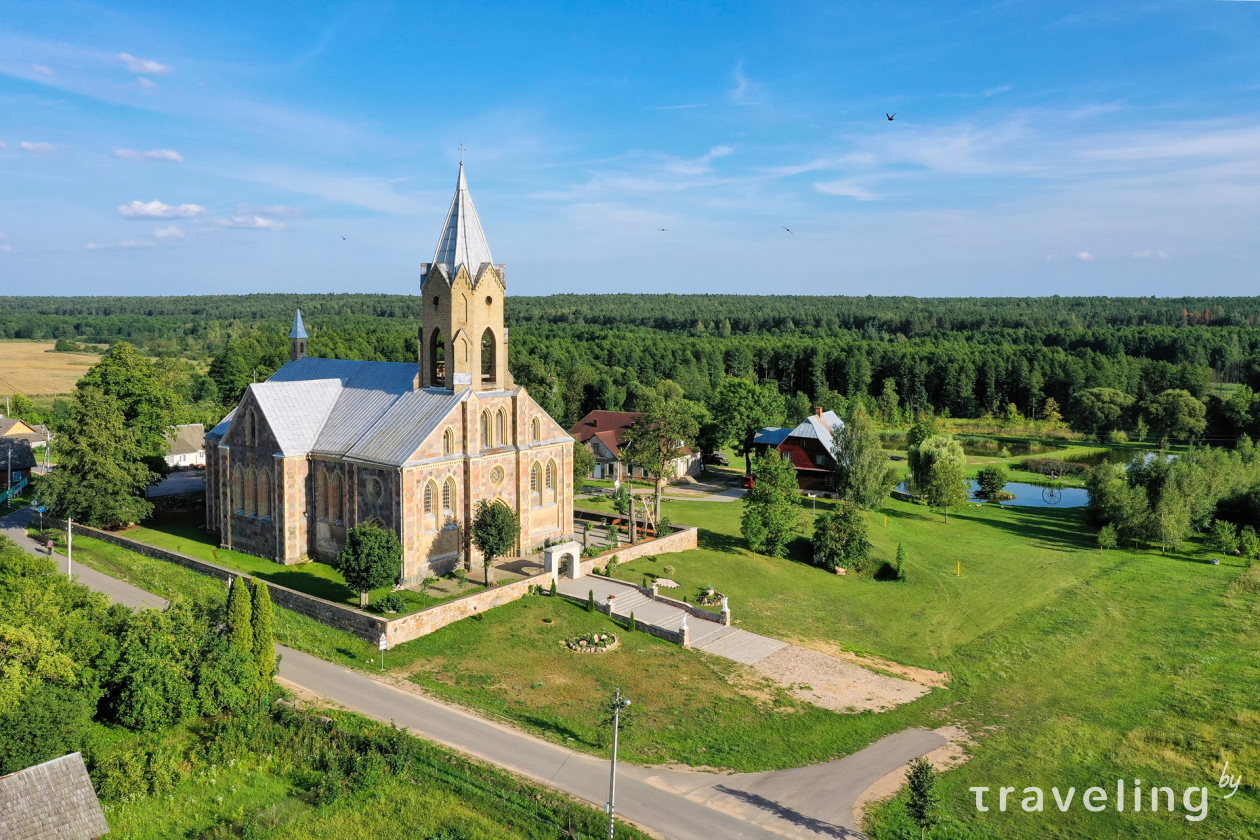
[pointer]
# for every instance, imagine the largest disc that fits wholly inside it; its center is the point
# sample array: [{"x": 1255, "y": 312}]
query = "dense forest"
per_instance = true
[{"x": 962, "y": 357}]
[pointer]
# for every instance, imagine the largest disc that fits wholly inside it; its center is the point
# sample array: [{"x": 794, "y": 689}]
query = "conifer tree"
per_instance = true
[
  {"x": 240, "y": 615},
  {"x": 264, "y": 643}
]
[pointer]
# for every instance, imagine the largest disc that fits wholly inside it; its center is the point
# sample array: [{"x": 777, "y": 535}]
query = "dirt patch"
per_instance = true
[
  {"x": 943, "y": 758},
  {"x": 834, "y": 684},
  {"x": 923, "y": 676}
]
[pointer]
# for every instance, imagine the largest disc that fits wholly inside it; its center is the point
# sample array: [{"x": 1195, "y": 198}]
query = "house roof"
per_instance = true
[
  {"x": 370, "y": 411},
  {"x": 53, "y": 799},
  {"x": 771, "y": 436},
  {"x": 299, "y": 329},
  {"x": 821, "y": 427},
  {"x": 462, "y": 242},
  {"x": 16, "y": 427},
  {"x": 23, "y": 457},
  {"x": 609, "y": 426},
  {"x": 187, "y": 439}
]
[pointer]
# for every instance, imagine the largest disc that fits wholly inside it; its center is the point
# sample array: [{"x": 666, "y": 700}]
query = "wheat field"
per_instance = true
[{"x": 33, "y": 369}]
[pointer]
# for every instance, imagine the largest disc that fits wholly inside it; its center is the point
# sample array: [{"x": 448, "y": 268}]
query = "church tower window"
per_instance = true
[
  {"x": 535, "y": 430},
  {"x": 535, "y": 494},
  {"x": 487, "y": 356},
  {"x": 448, "y": 442},
  {"x": 502, "y": 421},
  {"x": 487, "y": 442}
]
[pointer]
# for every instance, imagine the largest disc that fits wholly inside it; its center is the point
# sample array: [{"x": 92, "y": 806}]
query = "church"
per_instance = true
[{"x": 328, "y": 444}]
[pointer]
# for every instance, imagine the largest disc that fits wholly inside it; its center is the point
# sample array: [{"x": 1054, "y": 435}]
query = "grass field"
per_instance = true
[
  {"x": 33, "y": 369},
  {"x": 184, "y": 532}
]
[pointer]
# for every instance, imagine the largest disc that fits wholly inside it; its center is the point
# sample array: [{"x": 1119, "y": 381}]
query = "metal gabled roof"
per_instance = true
[
  {"x": 368, "y": 391},
  {"x": 771, "y": 436},
  {"x": 296, "y": 411},
  {"x": 462, "y": 242},
  {"x": 823, "y": 428},
  {"x": 405, "y": 426},
  {"x": 220, "y": 430}
]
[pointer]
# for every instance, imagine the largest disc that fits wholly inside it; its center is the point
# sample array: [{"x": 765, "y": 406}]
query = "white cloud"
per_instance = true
[
  {"x": 3, "y": 145},
  {"x": 171, "y": 232},
  {"x": 280, "y": 210},
  {"x": 92, "y": 246},
  {"x": 42, "y": 70},
  {"x": 746, "y": 91},
  {"x": 994, "y": 91},
  {"x": 36, "y": 148},
  {"x": 1084, "y": 255},
  {"x": 845, "y": 188},
  {"x": 157, "y": 210},
  {"x": 1142, "y": 255},
  {"x": 241, "y": 220},
  {"x": 143, "y": 65},
  {"x": 136, "y": 243},
  {"x": 1162, "y": 255},
  {"x": 5, "y": 248},
  {"x": 152, "y": 154},
  {"x": 147, "y": 84}
]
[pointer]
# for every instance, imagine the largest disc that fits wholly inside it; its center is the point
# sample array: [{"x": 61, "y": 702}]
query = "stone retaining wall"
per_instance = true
[
  {"x": 676, "y": 637},
  {"x": 364, "y": 625},
  {"x": 684, "y": 538}
]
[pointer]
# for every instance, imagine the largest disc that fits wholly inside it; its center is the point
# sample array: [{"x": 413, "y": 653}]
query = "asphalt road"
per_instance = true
[{"x": 807, "y": 802}]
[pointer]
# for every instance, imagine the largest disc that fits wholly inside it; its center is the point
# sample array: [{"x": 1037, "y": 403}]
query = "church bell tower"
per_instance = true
[{"x": 463, "y": 343}]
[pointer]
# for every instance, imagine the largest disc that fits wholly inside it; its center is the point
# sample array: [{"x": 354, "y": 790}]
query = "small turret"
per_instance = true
[{"x": 297, "y": 338}]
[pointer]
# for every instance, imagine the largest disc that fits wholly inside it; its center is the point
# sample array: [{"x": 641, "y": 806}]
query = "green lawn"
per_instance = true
[{"x": 185, "y": 533}]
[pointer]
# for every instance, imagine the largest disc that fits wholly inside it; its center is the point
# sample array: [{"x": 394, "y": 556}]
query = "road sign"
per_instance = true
[
  {"x": 41, "y": 510},
  {"x": 383, "y": 643}
]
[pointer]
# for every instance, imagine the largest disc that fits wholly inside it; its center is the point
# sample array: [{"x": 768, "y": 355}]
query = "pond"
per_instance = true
[
  {"x": 1112, "y": 456},
  {"x": 985, "y": 449},
  {"x": 1032, "y": 495}
]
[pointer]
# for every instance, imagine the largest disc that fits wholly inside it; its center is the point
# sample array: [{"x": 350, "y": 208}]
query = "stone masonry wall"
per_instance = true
[
  {"x": 683, "y": 539},
  {"x": 364, "y": 625}
]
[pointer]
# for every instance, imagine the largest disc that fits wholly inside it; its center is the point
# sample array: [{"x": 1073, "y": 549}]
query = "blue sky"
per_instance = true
[{"x": 1039, "y": 148}]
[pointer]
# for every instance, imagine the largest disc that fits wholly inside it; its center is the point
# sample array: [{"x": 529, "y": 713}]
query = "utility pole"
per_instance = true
[
  {"x": 617, "y": 705},
  {"x": 69, "y": 545}
]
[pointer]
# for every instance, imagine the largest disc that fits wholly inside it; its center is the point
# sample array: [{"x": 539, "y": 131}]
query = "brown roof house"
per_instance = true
[
  {"x": 13, "y": 427},
  {"x": 603, "y": 432},
  {"x": 51, "y": 801},
  {"x": 412, "y": 447},
  {"x": 188, "y": 445}
]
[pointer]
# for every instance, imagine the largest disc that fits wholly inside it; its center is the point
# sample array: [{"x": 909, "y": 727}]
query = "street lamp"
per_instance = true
[
  {"x": 814, "y": 496},
  {"x": 618, "y": 703}
]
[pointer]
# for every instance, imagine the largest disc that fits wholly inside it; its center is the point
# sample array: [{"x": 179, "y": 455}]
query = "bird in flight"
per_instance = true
[
  {"x": 789, "y": 230},
  {"x": 665, "y": 230},
  {"x": 343, "y": 238},
  {"x": 891, "y": 116}
]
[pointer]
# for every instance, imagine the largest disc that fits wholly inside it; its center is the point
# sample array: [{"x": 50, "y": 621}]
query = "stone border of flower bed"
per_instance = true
[{"x": 572, "y": 645}]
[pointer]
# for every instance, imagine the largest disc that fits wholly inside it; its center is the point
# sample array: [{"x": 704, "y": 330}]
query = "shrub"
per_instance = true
[
  {"x": 840, "y": 538},
  {"x": 553, "y": 587},
  {"x": 992, "y": 479},
  {"x": 1107, "y": 537},
  {"x": 1117, "y": 436},
  {"x": 371, "y": 558},
  {"x": 1224, "y": 536},
  {"x": 391, "y": 603},
  {"x": 630, "y": 623},
  {"x": 611, "y": 567},
  {"x": 669, "y": 571},
  {"x": 1052, "y": 466}
]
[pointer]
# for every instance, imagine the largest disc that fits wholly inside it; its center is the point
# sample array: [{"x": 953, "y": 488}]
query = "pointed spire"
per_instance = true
[
  {"x": 462, "y": 242},
  {"x": 299, "y": 329}
]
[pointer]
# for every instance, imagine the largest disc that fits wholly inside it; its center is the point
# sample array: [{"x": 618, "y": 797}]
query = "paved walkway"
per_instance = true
[
  {"x": 805, "y": 803},
  {"x": 708, "y": 636}
]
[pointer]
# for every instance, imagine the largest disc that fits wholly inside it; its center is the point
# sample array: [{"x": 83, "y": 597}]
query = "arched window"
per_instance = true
[
  {"x": 251, "y": 496},
  {"x": 430, "y": 507},
  {"x": 535, "y": 485},
  {"x": 251, "y": 428},
  {"x": 502, "y": 430},
  {"x": 321, "y": 495},
  {"x": 535, "y": 430},
  {"x": 448, "y": 499},
  {"x": 448, "y": 442},
  {"x": 551, "y": 483},
  {"x": 335, "y": 506},
  {"x": 238, "y": 490},
  {"x": 264, "y": 493},
  {"x": 486, "y": 440},
  {"x": 487, "y": 356},
  {"x": 437, "y": 359}
]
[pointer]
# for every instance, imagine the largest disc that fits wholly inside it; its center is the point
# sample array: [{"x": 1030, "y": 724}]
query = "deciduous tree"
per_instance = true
[
  {"x": 944, "y": 466},
  {"x": 772, "y": 511},
  {"x": 864, "y": 474},
  {"x": 840, "y": 539},
  {"x": 740, "y": 408},
  {"x": 495, "y": 530},
  {"x": 370, "y": 559}
]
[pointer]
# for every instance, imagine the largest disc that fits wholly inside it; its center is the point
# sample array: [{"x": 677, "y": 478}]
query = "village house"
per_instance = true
[
  {"x": 809, "y": 446},
  {"x": 187, "y": 445},
  {"x": 603, "y": 432},
  {"x": 17, "y": 461},
  {"x": 328, "y": 444}
]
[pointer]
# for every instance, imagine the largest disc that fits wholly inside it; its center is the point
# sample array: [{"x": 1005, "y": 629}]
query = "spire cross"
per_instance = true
[{"x": 461, "y": 153}]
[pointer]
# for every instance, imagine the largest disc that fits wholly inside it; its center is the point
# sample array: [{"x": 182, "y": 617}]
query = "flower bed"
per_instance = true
[{"x": 593, "y": 643}]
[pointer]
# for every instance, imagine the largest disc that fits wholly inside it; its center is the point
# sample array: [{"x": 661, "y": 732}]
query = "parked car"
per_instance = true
[
  {"x": 746, "y": 482},
  {"x": 718, "y": 459}
]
